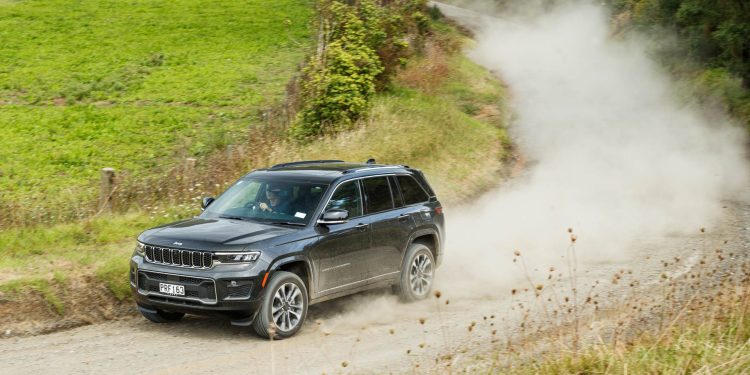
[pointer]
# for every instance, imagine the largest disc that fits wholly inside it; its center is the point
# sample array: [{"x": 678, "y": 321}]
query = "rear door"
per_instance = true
[
  {"x": 414, "y": 197},
  {"x": 389, "y": 227},
  {"x": 342, "y": 249}
]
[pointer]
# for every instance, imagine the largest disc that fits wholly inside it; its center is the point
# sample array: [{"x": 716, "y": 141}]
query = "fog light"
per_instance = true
[{"x": 238, "y": 289}]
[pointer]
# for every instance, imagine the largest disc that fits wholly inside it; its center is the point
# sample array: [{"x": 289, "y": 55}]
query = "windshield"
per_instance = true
[{"x": 268, "y": 201}]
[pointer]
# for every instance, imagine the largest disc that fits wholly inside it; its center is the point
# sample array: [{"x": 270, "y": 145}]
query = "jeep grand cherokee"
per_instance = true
[{"x": 282, "y": 238}]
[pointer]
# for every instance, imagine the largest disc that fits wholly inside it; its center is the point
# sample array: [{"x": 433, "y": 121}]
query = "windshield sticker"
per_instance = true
[{"x": 300, "y": 215}]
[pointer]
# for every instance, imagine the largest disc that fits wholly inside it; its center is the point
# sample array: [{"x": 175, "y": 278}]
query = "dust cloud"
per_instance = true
[{"x": 612, "y": 152}]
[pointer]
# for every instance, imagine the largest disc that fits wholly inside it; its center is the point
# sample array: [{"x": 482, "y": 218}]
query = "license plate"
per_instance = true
[{"x": 171, "y": 289}]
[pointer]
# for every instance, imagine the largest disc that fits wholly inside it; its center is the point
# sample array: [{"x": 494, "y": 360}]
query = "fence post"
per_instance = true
[{"x": 106, "y": 189}]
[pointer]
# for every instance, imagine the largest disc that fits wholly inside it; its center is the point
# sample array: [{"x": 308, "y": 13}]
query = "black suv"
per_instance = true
[{"x": 288, "y": 236}]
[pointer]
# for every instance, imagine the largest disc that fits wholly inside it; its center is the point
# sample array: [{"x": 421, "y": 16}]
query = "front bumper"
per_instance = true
[{"x": 228, "y": 290}]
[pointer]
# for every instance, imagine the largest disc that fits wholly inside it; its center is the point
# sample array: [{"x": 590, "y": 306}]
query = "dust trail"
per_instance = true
[{"x": 613, "y": 153}]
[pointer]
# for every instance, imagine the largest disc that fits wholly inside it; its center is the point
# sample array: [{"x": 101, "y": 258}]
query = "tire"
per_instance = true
[
  {"x": 417, "y": 273},
  {"x": 284, "y": 307},
  {"x": 162, "y": 316}
]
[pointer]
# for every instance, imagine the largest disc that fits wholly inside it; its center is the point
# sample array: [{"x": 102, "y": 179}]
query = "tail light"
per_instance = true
[{"x": 439, "y": 210}]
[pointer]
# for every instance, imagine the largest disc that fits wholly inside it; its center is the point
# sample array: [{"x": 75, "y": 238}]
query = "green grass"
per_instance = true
[
  {"x": 717, "y": 346},
  {"x": 99, "y": 246},
  {"x": 721, "y": 86},
  {"x": 460, "y": 154},
  {"x": 37, "y": 284},
  {"x": 114, "y": 273},
  {"x": 135, "y": 85}
]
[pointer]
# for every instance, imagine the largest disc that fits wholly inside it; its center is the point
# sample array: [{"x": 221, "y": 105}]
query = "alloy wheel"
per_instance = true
[
  {"x": 420, "y": 275},
  {"x": 287, "y": 307}
]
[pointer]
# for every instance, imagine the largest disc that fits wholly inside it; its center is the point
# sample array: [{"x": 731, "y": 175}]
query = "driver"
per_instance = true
[{"x": 275, "y": 202}]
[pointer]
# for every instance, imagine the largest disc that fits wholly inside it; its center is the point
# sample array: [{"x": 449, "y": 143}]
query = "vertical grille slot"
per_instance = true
[{"x": 178, "y": 257}]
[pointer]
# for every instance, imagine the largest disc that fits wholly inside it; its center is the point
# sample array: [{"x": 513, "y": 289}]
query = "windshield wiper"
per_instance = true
[
  {"x": 288, "y": 223},
  {"x": 233, "y": 217}
]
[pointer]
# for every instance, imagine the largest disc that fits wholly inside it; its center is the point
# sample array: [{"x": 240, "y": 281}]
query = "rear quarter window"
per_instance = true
[{"x": 411, "y": 191}]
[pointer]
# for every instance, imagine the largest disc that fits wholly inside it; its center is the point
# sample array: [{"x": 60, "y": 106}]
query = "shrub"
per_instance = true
[{"x": 359, "y": 45}]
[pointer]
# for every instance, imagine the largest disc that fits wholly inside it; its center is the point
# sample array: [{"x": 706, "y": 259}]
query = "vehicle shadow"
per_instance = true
[{"x": 219, "y": 327}]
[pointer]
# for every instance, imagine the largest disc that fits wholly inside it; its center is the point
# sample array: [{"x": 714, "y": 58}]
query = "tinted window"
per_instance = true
[
  {"x": 411, "y": 191},
  {"x": 347, "y": 197},
  {"x": 378, "y": 194}
]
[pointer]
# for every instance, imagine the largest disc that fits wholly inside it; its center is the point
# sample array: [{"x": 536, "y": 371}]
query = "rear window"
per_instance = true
[
  {"x": 411, "y": 191},
  {"x": 378, "y": 194}
]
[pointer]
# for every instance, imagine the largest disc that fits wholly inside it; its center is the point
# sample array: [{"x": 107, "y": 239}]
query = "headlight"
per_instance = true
[
  {"x": 140, "y": 249},
  {"x": 236, "y": 258}
]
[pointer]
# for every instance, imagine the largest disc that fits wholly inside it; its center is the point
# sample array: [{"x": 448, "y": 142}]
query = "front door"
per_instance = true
[{"x": 341, "y": 248}]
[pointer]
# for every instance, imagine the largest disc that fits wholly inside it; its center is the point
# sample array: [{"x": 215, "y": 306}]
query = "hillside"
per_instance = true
[{"x": 137, "y": 86}]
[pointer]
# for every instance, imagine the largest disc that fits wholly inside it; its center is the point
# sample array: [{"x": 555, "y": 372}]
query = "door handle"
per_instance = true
[
  {"x": 403, "y": 217},
  {"x": 361, "y": 226}
]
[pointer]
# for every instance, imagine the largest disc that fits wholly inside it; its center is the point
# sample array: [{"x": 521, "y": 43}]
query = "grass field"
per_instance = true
[{"x": 132, "y": 85}]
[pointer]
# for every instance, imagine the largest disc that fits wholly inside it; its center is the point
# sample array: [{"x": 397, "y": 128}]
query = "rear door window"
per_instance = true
[
  {"x": 378, "y": 192},
  {"x": 411, "y": 191}
]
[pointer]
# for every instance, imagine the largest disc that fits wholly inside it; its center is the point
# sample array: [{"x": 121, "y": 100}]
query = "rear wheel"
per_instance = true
[
  {"x": 284, "y": 306},
  {"x": 417, "y": 273},
  {"x": 162, "y": 316}
]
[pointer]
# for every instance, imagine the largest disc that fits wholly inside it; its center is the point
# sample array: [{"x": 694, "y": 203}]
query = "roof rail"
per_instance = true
[
  {"x": 282, "y": 165},
  {"x": 373, "y": 167}
]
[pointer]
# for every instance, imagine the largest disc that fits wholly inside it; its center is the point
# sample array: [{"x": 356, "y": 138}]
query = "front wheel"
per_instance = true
[
  {"x": 283, "y": 308},
  {"x": 417, "y": 273}
]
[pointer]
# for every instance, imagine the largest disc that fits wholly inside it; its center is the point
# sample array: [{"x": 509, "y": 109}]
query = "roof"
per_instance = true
[{"x": 322, "y": 170}]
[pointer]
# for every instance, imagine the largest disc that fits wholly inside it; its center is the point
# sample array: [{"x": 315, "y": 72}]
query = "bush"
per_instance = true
[{"x": 359, "y": 45}]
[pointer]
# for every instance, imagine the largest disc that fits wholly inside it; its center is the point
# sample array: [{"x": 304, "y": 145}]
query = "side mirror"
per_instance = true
[
  {"x": 334, "y": 216},
  {"x": 206, "y": 201}
]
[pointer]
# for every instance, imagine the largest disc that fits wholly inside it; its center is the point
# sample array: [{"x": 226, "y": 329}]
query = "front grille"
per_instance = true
[{"x": 178, "y": 257}]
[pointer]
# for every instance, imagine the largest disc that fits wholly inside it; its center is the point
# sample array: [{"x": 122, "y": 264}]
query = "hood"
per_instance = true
[{"x": 212, "y": 234}]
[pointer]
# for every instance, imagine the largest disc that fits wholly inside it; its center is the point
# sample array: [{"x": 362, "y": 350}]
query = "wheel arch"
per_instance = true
[
  {"x": 298, "y": 265},
  {"x": 428, "y": 237}
]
